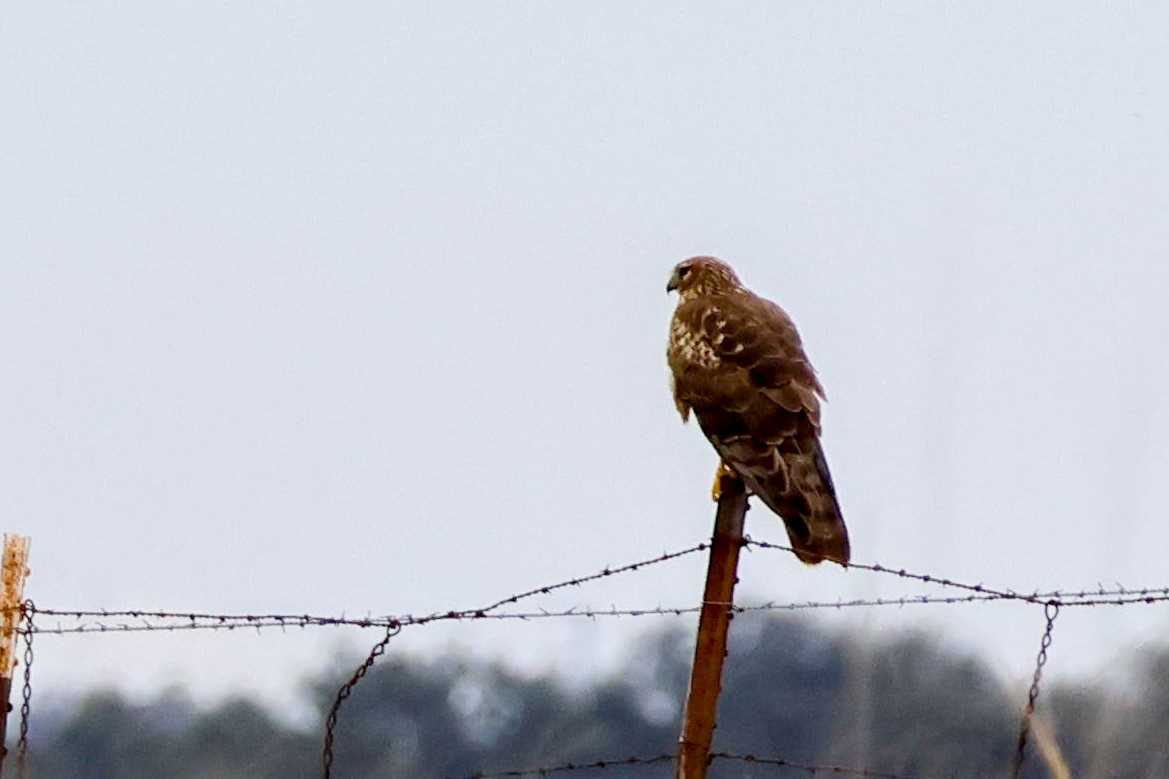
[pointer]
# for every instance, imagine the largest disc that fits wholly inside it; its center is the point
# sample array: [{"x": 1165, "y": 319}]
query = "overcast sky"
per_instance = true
[{"x": 361, "y": 308}]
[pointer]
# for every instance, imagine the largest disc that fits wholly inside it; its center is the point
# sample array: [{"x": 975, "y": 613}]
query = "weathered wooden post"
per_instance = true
[
  {"x": 711, "y": 647},
  {"x": 12, "y": 576}
]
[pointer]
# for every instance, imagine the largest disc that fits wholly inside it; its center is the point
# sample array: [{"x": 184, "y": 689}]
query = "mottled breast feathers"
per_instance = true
[{"x": 738, "y": 365}]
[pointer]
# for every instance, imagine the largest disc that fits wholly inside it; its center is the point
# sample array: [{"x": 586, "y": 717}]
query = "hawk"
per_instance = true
[{"x": 738, "y": 364}]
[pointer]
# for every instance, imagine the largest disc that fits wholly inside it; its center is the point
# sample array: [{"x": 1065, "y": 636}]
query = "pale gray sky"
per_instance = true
[{"x": 319, "y": 308}]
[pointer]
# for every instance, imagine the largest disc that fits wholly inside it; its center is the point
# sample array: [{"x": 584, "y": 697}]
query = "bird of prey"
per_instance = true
[{"x": 739, "y": 366}]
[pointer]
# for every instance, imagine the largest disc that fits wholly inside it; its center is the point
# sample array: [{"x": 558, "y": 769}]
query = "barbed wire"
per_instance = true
[
  {"x": 999, "y": 594},
  {"x": 143, "y": 620},
  {"x": 168, "y": 621},
  {"x": 595, "y": 765},
  {"x": 813, "y": 770},
  {"x": 777, "y": 762},
  {"x": 206, "y": 620}
]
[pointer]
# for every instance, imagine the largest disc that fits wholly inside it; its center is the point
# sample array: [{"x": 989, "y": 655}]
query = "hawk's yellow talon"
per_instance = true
[{"x": 723, "y": 472}]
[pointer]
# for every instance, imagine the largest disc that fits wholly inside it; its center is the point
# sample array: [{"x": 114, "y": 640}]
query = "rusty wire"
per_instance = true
[
  {"x": 604, "y": 572},
  {"x": 1050, "y": 612},
  {"x": 138, "y": 620},
  {"x": 177, "y": 620},
  {"x": 394, "y": 626},
  {"x": 345, "y": 691},
  {"x": 980, "y": 588},
  {"x": 28, "y": 609},
  {"x": 812, "y": 770},
  {"x": 775, "y": 762},
  {"x": 150, "y": 621},
  {"x": 596, "y": 765}
]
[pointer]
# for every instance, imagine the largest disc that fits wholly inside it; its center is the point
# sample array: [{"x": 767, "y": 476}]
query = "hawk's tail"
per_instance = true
[
  {"x": 794, "y": 481},
  {"x": 791, "y": 476},
  {"x": 824, "y": 539},
  {"x": 813, "y": 519}
]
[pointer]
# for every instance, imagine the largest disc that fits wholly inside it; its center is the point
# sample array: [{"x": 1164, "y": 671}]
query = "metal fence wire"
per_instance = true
[{"x": 60, "y": 621}]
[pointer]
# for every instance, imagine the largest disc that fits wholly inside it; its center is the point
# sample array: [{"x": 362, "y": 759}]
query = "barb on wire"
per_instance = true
[
  {"x": 1117, "y": 597},
  {"x": 904, "y": 574},
  {"x": 813, "y": 770},
  {"x": 148, "y": 621},
  {"x": 142, "y": 620},
  {"x": 592, "y": 577},
  {"x": 207, "y": 621},
  {"x": 564, "y": 767},
  {"x": 345, "y": 691},
  {"x": 135, "y": 621},
  {"x": 1050, "y": 611}
]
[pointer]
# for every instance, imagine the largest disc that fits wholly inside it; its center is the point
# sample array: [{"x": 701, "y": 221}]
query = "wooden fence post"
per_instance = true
[
  {"x": 711, "y": 647},
  {"x": 12, "y": 574}
]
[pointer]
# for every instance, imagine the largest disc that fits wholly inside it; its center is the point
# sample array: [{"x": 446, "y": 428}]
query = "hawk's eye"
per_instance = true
[{"x": 683, "y": 271}]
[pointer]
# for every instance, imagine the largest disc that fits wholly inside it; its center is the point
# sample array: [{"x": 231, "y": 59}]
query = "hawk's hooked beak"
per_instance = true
[{"x": 674, "y": 282}]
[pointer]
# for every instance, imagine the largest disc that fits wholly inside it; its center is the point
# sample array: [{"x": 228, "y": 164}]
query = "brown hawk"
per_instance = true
[{"x": 738, "y": 364}]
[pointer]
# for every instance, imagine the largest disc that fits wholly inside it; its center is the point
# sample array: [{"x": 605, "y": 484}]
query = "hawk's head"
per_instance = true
[{"x": 700, "y": 276}]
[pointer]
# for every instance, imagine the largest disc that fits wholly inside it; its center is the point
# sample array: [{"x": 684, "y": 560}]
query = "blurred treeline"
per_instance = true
[{"x": 793, "y": 689}]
